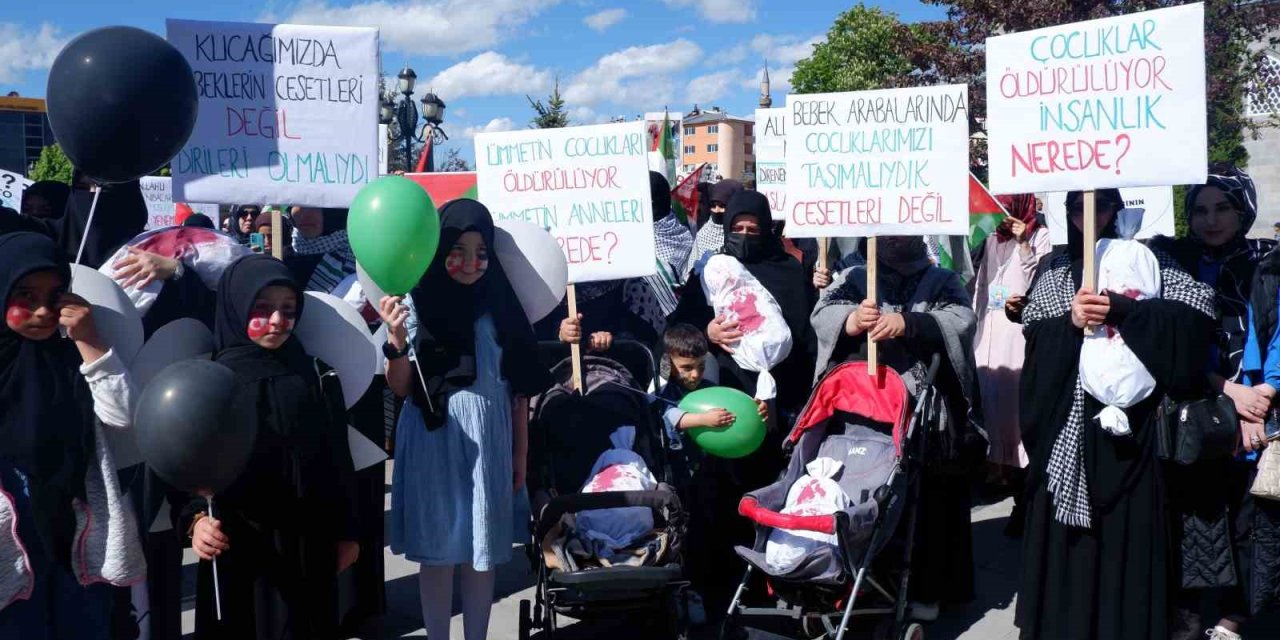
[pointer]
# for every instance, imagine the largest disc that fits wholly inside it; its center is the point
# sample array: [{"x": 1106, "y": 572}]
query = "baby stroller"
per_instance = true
[
  {"x": 568, "y": 432},
  {"x": 880, "y": 442}
]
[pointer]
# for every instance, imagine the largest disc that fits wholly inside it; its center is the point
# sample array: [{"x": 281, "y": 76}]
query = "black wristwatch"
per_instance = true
[{"x": 393, "y": 353}]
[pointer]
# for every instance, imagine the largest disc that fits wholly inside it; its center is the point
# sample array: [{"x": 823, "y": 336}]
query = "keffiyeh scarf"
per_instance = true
[{"x": 338, "y": 262}]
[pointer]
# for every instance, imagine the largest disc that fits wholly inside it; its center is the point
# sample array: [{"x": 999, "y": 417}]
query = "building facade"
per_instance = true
[
  {"x": 1264, "y": 152},
  {"x": 24, "y": 132},
  {"x": 724, "y": 142}
]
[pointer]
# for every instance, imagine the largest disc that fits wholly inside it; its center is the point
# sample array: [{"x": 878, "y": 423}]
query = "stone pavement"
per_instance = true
[{"x": 989, "y": 617}]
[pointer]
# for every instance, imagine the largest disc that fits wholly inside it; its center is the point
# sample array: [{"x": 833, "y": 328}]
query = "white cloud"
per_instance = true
[
  {"x": 710, "y": 87},
  {"x": 605, "y": 19},
  {"x": 637, "y": 77},
  {"x": 429, "y": 27},
  {"x": 489, "y": 74},
  {"x": 723, "y": 11},
  {"x": 780, "y": 49},
  {"x": 22, "y": 50},
  {"x": 494, "y": 126}
]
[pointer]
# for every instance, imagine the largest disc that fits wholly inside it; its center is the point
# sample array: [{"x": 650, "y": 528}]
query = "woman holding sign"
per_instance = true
[
  {"x": 1096, "y": 559},
  {"x": 923, "y": 310},
  {"x": 462, "y": 439}
]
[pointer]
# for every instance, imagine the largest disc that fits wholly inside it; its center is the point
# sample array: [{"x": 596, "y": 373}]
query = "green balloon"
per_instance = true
[
  {"x": 737, "y": 440},
  {"x": 394, "y": 230}
]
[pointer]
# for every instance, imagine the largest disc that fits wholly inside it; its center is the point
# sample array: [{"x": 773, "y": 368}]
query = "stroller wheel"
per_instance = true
[
  {"x": 526, "y": 620},
  {"x": 913, "y": 632},
  {"x": 813, "y": 628}
]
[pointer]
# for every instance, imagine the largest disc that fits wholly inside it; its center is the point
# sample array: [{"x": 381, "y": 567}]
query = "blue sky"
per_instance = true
[{"x": 613, "y": 57}]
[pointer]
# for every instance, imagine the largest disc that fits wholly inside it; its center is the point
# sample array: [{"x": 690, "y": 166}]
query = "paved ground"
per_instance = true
[{"x": 989, "y": 617}]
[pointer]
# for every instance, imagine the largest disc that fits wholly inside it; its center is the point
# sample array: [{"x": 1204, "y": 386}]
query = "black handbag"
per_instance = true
[{"x": 1197, "y": 430}]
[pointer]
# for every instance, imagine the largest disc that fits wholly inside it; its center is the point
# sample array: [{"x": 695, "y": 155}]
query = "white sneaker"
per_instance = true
[{"x": 1220, "y": 633}]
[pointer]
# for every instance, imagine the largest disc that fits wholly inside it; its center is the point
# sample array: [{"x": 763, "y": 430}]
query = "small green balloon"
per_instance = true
[
  {"x": 737, "y": 440},
  {"x": 394, "y": 230}
]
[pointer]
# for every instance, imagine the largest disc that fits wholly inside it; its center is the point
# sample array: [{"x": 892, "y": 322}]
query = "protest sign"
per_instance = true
[
  {"x": 157, "y": 191},
  {"x": 11, "y": 187},
  {"x": 771, "y": 158},
  {"x": 1117, "y": 102},
  {"x": 1156, "y": 203},
  {"x": 887, "y": 162},
  {"x": 443, "y": 187},
  {"x": 288, "y": 113},
  {"x": 383, "y": 134},
  {"x": 588, "y": 186}
]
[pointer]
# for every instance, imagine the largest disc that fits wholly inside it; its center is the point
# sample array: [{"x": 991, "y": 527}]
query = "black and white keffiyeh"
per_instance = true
[
  {"x": 338, "y": 261},
  {"x": 1068, "y": 483},
  {"x": 653, "y": 298}
]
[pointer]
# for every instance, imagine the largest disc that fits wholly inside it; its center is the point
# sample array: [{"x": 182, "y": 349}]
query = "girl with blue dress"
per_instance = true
[{"x": 462, "y": 438}]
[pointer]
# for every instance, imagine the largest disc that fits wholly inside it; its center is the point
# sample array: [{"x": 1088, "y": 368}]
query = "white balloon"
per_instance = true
[
  {"x": 182, "y": 339},
  {"x": 534, "y": 264},
  {"x": 118, "y": 322},
  {"x": 372, "y": 292},
  {"x": 335, "y": 333}
]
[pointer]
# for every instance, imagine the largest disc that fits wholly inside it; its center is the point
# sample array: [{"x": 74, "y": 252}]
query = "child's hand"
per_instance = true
[
  {"x": 712, "y": 418},
  {"x": 762, "y": 408}
]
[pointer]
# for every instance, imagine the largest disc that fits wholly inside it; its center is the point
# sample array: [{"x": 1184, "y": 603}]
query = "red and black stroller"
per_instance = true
[{"x": 871, "y": 429}]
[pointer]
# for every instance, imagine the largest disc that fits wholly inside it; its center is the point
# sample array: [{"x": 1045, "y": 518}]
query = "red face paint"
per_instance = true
[
  {"x": 258, "y": 327},
  {"x": 453, "y": 262},
  {"x": 17, "y": 315}
]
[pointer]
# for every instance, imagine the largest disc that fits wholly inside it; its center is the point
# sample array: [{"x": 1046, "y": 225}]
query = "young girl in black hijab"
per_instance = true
[
  {"x": 60, "y": 537},
  {"x": 461, "y": 444},
  {"x": 282, "y": 530}
]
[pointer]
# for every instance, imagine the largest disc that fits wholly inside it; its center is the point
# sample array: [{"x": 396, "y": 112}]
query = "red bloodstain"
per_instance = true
[
  {"x": 17, "y": 315},
  {"x": 744, "y": 307},
  {"x": 608, "y": 478},
  {"x": 810, "y": 493}
]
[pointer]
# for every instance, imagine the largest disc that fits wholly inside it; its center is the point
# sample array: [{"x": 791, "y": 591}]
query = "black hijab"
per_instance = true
[
  {"x": 46, "y": 410},
  {"x": 660, "y": 193},
  {"x": 54, "y": 192},
  {"x": 237, "y": 290},
  {"x": 447, "y": 313},
  {"x": 723, "y": 191},
  {"x": 198, "y": 220},
  {"x": 1102, "y": 198}
]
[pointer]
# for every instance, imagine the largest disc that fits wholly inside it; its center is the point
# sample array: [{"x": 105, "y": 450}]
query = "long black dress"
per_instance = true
[
  {"x": 286, "y": 513},
  {"x": 1108, "y": 575}
]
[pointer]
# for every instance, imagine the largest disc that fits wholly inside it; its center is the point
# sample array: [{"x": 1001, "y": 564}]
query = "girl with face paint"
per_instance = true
[
  {"x": 284, "y": 529},
  {"x": 52, "y": 471},
  {"x": 462, "y": 439}
]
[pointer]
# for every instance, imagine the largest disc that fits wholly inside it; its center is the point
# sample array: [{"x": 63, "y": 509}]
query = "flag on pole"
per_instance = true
[
  {"x": 684, "y": 198},
  {"x": 667, "y": 147},
  {"x": 985, "y": 214}
]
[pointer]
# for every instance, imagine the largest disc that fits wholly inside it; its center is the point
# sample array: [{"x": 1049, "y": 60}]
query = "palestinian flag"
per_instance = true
[
  {"x": 684, "y": 198},
  {"x": 667, "y": 147},
  {"x": 985, "y": 213}
]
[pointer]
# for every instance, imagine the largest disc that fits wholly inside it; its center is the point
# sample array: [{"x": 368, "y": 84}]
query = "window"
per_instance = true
[
  {"x": 715, "y": 128},
  {"x": 690, "y": 149},
  {"x": 749, "y": 149},
  {"x": 713, "y": 148},
  {"x": 749, "y": 129},
  {"x": 688, "y": 131},
  {"x": 1262, "y": 97}
]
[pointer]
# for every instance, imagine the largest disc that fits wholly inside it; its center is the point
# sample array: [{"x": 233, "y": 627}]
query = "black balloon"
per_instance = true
[
  {"x": 182, "y": 431},
  {"x": 122, "y": 102}
]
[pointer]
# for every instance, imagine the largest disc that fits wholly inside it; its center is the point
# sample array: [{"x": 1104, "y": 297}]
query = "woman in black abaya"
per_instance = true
[
  {"x": 283, "y": 529},
  {"x": 1096, "y": 554}
]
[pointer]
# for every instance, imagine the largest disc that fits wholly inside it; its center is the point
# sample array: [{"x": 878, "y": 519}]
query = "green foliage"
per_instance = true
[
  {"x": 551, "y": 115},
  {"x": 861, "y": 52},
  {"x": 453, "y": 161},
  {"x": 52, "y": 165},
  {"x": 1179, "y": 211}
]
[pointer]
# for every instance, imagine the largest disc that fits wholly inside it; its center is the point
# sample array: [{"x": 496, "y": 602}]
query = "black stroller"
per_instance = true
[
  {"x": 568, "y": 433},
  {"x": 869, "y": 428}
]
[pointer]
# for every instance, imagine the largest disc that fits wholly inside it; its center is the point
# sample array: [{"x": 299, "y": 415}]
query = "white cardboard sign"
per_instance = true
[
  {"x": 1117, "y": 102},
  {"x": 11, "y": 187},
  {"x": 1156, "y": 203},
  {"x": 885, "y": 162},
  {"x": 588, "y": 186},
  {"x": 288, "y": 113},
  {"x": 771, "y": 158},
  {"x": 158, "y": 192}
]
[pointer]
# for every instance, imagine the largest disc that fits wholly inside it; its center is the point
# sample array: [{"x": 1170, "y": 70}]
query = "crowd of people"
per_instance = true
[{"x": 1118, "y": 542}]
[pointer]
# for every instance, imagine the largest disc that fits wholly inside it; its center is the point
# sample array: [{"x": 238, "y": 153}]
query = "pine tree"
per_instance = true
[{"x": 551, "y": 115}]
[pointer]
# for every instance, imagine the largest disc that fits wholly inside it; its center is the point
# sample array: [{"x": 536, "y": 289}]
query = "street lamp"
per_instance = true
[{"x": 404, "y": 115}]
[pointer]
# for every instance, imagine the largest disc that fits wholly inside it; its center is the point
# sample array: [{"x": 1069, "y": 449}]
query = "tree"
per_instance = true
[
  {"x": 951, "y": 50},
  {"x": 861, "y": 52},
  {"x": 551, "y": 115},
  {"x": 453, "y": 161},
  {"x": 53, "y": 164}
]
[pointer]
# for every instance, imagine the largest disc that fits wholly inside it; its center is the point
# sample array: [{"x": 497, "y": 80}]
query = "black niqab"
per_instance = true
[
  {"x": 722, "y": 192},
  {"x": 46, "y": 410},
  {"x": 448, "y": 310},
  {"x": 121, "y": 214}
]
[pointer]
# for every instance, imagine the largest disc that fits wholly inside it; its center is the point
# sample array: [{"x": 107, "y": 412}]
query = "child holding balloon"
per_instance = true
[{"x": 462, "y": 439}]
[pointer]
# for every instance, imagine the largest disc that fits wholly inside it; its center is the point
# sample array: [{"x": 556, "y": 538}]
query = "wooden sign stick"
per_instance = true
[
  {"x": 277, "y": 234},
  {"x": 575, "y": 349},
  {"x": 873, "y": 355},
  {"x": 1090, "y": 277},
  {"x": 822, "y": 252}
]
